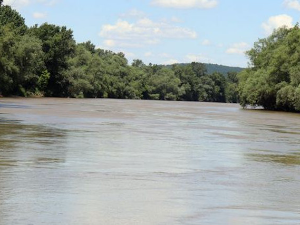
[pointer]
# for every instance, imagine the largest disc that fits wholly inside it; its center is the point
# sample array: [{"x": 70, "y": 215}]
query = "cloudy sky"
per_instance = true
[{"x": 167, "y": 31}]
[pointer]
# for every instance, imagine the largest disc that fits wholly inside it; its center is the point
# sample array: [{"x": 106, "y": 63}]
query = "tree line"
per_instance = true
[{"x": 45, "y": 60}]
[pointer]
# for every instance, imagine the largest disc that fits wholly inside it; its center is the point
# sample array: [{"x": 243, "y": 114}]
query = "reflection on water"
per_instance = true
[
  {"x": 70, "y": 161},
  {"x": 290, "y": 159}
]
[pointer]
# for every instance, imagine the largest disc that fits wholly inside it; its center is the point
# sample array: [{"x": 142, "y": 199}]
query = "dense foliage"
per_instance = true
[
  {"x": 273, "y": 80},
  {"x": 46, "y": 61}
]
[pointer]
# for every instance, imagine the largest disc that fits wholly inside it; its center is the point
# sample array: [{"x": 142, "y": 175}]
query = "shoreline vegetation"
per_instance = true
[
  {"x": 45, "y": 61},
  {"x": 273, "y": 78}
]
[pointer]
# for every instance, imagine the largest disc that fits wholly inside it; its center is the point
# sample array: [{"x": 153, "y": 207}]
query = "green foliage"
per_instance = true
[
  {"x": 89, "y": 46},
  {"x": 274, "y": 77},
  {"x": 285, "y": 98},
  {"x": 219, "y": 85},
  {"x": 137, "y": 63},
  {"x": 297, "y": 99},
  {"x": 231, "y": 88},
  {"x": 29, "y": 59},
  {"x": 58, "y": 45},
  {"x": 8, "y": 67},
  {"x": 9, "y": 16},
  {"x": 45, "y": 60},
  {"x": 43, "y": 81},
  {"x": 163, "y": 85},
  {"x": 20, "y": 63}
]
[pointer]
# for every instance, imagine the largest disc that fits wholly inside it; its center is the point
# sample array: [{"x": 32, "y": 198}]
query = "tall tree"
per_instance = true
[
  {"x": 8, "y": 67},
  {"x": 29, "y": 59},
  {"x": 12, "y": 17},
  {"x": 199, "y": 69},
  {"x": 231, "y": 89},
  {"x": 274, "y": 78},
  {"x": 58, "y": 46}
]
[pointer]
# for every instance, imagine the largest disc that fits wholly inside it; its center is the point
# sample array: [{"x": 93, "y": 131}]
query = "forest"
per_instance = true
[{"x": 45, "y": 60}]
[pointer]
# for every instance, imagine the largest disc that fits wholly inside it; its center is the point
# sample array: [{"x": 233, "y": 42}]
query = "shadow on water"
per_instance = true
[
  {"x": 32, "y": 144},
  {"x": 282, "y": 129},
  {"x": 27, "y": 152},
  {"x": 285, "y": 159},
  {"x": 13, "y": 106}
]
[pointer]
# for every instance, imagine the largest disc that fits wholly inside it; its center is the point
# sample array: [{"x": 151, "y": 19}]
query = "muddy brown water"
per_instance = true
[{"x": 124, "y": 162}]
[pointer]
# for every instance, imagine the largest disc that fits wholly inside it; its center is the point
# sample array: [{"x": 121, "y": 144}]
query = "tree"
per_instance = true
[
  {"x": 21, "y": 62},
  {"x": 164, "y": 85},
  {"x": 137, "y": 63},
  {"x": 219, "y": 84},
  {"x": 206, "y": 89},
  {"x": 12, "y": 17},
  {"x": 231, "y": 89},
  {"x": 29, "y": 60},
  {"x": 77, "y": 76},
  {"x": 58, "y": 45},
  {"x": 8, "y": 67},
  {"x": 199, "y": 69},
  {"x": 189, "y": 81},
  {"x": 89, "y": 46},
  {"x": 273, "y": 79},
  {"x": 45, "y": 60}
]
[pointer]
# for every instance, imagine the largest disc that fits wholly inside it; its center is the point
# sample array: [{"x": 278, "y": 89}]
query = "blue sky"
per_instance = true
[{"x": 167, "y": 31}]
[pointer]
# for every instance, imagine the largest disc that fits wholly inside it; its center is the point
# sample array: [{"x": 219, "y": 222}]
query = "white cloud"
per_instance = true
[
  {"x": 276, "y": 22},
  {"x": 170, "y": 62},
  {"x": 206, "y": 42},
  {"x": 162, "y": 58},
  {"x": 17, "y": 4},
  {"x": 133, "y": 13},
  {"x": 238, "y": 48},
  {"x": 109, "y": 43},
  {"x": 38, "y": 15},
  {"x": 50, "y": 3},
  {"x": 185, "y": 4},
  {"x": 196, "y": 58},
  {"x": 164, "y": 55},
  {"x": 129, "y": 54},
  {"x": 143, "y": 32},
  {"x": 292, "y": 4},
  {"x": 148, "y": 54},
  {"x": 175, "y": 19}
]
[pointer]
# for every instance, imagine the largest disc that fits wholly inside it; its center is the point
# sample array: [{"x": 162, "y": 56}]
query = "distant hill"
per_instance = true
[{"x": 211, "y": 68}]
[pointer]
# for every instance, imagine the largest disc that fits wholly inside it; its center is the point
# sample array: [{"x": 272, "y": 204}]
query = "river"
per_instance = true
[{"x": 127, "y": 162}]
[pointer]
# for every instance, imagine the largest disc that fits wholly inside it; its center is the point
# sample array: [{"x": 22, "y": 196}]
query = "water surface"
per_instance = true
[{"x": 123, "y": 162}]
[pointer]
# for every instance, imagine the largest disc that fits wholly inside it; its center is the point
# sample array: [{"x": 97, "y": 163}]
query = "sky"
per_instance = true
[{"x": 167, "y": 31}]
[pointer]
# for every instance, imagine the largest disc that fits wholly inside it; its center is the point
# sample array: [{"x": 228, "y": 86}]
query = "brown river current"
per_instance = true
[{"x": 123, "y": 162}]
